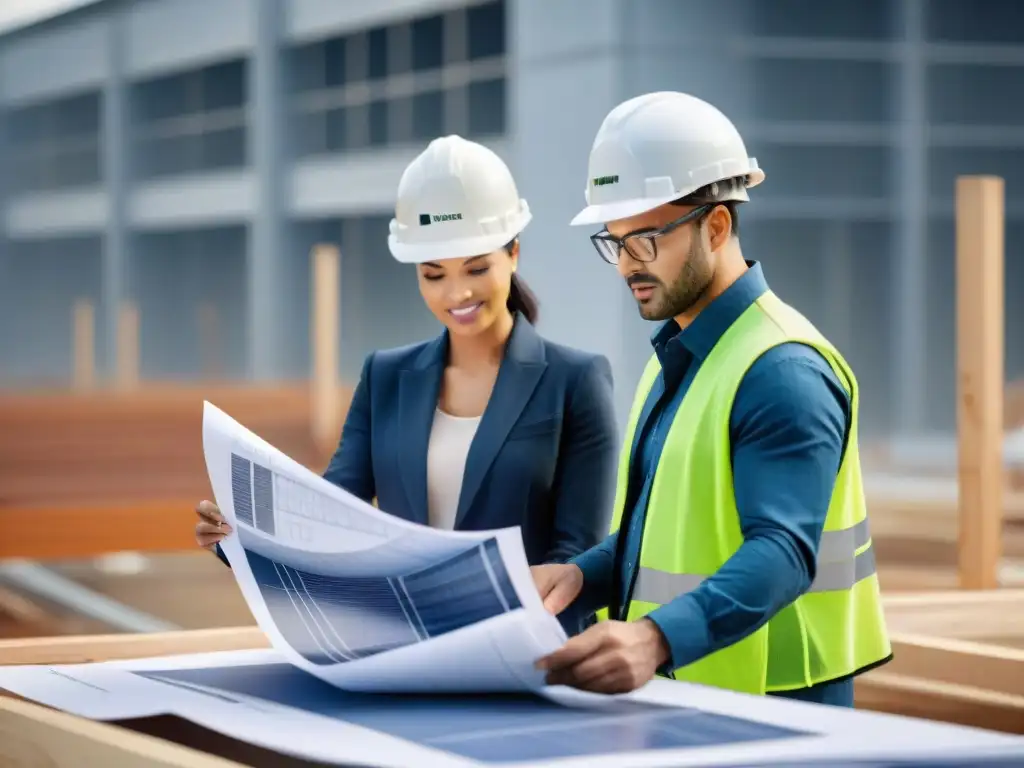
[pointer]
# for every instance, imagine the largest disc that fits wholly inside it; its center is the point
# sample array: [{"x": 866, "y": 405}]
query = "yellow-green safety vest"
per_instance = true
[{"x": 692, "y": 527}]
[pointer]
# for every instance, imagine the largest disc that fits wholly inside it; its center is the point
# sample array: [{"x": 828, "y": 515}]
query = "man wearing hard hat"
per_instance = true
[{"x": 740, "y": 555}]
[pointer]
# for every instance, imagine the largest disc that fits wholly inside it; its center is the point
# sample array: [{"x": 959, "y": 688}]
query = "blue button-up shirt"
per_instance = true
[{"x": 788, "y": 429}]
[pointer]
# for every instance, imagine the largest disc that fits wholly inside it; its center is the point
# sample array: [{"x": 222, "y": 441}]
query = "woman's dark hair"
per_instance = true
[{"x": 520, "y": 298}]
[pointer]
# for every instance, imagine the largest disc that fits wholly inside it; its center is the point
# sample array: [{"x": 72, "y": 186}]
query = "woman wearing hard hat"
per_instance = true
[{"x": 488, "y": 425}]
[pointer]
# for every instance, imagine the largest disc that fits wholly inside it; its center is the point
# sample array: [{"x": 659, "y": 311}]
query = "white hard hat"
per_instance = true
[
  {"x": 456, "y": 199},
  {"x": 656, "y": 148}
]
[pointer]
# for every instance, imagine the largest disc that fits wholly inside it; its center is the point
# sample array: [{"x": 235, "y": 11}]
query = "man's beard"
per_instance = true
[{"x": 687, "y": 290}]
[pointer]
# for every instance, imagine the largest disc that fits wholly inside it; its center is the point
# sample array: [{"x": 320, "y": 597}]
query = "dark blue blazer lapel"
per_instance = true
[
  {"x": 417, "y": 400},
  {"x": 518, "y": 376}
]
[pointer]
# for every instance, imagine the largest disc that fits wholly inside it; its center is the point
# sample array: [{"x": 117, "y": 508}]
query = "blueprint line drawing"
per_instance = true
[
  {"x": 260, "y": 697},
  {"x": 365, "y": 600},
  {"x": 495, "y": 729},
  {"x": 335, "y": 619}
]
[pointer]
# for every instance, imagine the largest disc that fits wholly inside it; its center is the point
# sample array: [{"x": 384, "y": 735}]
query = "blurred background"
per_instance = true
[{"x": 169, "y": 165}]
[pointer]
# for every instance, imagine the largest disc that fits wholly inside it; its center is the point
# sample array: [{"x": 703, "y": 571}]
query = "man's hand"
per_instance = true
[
  {"x": 558, "y": 585},
  {"x": 609, "y": 657}
]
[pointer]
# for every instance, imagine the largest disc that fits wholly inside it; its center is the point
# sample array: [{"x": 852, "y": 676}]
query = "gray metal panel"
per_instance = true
[
  {"x": 267, "y": 235},
  {"x": 910, "y": 342},
  {"x": 116, "y": 175},
  {"x": 165, "y": 36},
  {"x": 52, "y": 62},
  {"x": 189, "y": 201},
  {"x": 56, "y": 214},
  {"x": 319, "y": 19}
]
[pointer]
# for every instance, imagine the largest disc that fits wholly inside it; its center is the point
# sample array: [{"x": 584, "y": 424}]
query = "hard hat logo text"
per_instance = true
[
  {"x": 602, "y": 181},
  {"x": 426, "y": 218}
]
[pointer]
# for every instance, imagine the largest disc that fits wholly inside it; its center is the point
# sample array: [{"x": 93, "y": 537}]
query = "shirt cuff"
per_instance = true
[
  {"x": 596, "y": 565},
  {"x": 685, "y": 627}
]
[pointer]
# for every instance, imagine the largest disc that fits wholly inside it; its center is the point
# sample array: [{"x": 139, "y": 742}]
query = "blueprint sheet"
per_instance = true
[
  {"x": 364, "y": 600},
  {"x": 261, "y": 698}
]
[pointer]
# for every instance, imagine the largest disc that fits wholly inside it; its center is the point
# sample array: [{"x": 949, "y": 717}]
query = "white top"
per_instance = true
[{"x": 450, "y": 438}]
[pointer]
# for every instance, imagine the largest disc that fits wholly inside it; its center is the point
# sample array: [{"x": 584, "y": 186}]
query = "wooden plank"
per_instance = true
[
  {"x": 83, "y": 377},
  {"x": 987, "y": 666},
  {"x": 917, "y": 697},
  {"x": 73, "y": 532},
  {"x": 324, "y": 341},
  {"x": 127, "y": 374},
  {"x": 980, "y": 331},
  {"x": 89, "y": 648},
  {"x": 968, "y": 615},
  {"x": 32, "y": 735}
]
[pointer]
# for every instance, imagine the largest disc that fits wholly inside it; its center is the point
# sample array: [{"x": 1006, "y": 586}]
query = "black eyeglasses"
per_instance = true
[{"x": 642, "y": 246}]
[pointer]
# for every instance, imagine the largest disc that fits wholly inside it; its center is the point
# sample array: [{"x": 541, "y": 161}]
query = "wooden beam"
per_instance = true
[
  {"x": 32, "y": 735},
  {"x": 82, "y": 649},
  {"x": 76, "y": 532},
  {"x": 324, "y": 343},
  {"x": 991, "y": 667},
  {"x": 945, "y": 702},
  {"x": 127, "y": 375},
  {"x": 993, "y": 616},
  {"x": 83, "y": 378},
  {"x": 980, "y": 385}
]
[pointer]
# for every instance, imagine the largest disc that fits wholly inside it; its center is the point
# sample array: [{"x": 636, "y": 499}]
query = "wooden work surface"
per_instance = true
[
  {"x": 953, "y": 662},
  {"x": 35, "y": 735}
]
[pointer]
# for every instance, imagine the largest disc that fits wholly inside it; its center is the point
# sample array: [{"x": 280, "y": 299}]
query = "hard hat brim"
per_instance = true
[
  {"x": 462, "y": 248},
  {"x": 622, "y": 209}
]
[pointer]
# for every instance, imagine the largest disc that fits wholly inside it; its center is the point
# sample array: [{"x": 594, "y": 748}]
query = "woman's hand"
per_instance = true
[{"x": 211, "y": 528}]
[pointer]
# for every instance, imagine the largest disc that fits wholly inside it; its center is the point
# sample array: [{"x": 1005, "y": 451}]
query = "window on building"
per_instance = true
[
  {"x": 427, "y": 114},
  {"x": 190, "y": 122},
  {"x": 485, "y": 30},
  {"x": 56, "y": 144},
  {"x": 487, "y": 107},
  {"x": 377, "y": 53},
  {"x": 403, "y": 83},
  {"x": 427, "y": 43}
]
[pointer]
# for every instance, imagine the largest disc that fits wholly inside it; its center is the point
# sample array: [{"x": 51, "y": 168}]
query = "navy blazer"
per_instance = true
[{"x": 543, "y": 457}]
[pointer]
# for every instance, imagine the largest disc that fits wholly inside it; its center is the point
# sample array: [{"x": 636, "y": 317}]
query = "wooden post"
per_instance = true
[
  {"x": 83, "y": 378},
  {"x": 127, "y": 375},
  {"x": 324, "y": 338},
  {"x": 979, "y": 367}
]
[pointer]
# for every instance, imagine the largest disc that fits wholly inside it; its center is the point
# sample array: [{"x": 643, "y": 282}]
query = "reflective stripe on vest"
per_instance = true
[{"x": 840, "y": 566}]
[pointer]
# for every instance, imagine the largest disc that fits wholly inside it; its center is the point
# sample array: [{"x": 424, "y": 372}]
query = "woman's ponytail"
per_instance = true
[{"x": 522, "y": 300}]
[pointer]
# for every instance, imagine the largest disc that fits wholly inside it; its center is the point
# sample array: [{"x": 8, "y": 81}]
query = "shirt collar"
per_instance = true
[{"x": 700, "y": 336}]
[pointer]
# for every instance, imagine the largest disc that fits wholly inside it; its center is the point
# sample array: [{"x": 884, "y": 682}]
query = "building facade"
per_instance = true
[{"x": 186, "y": 154}]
